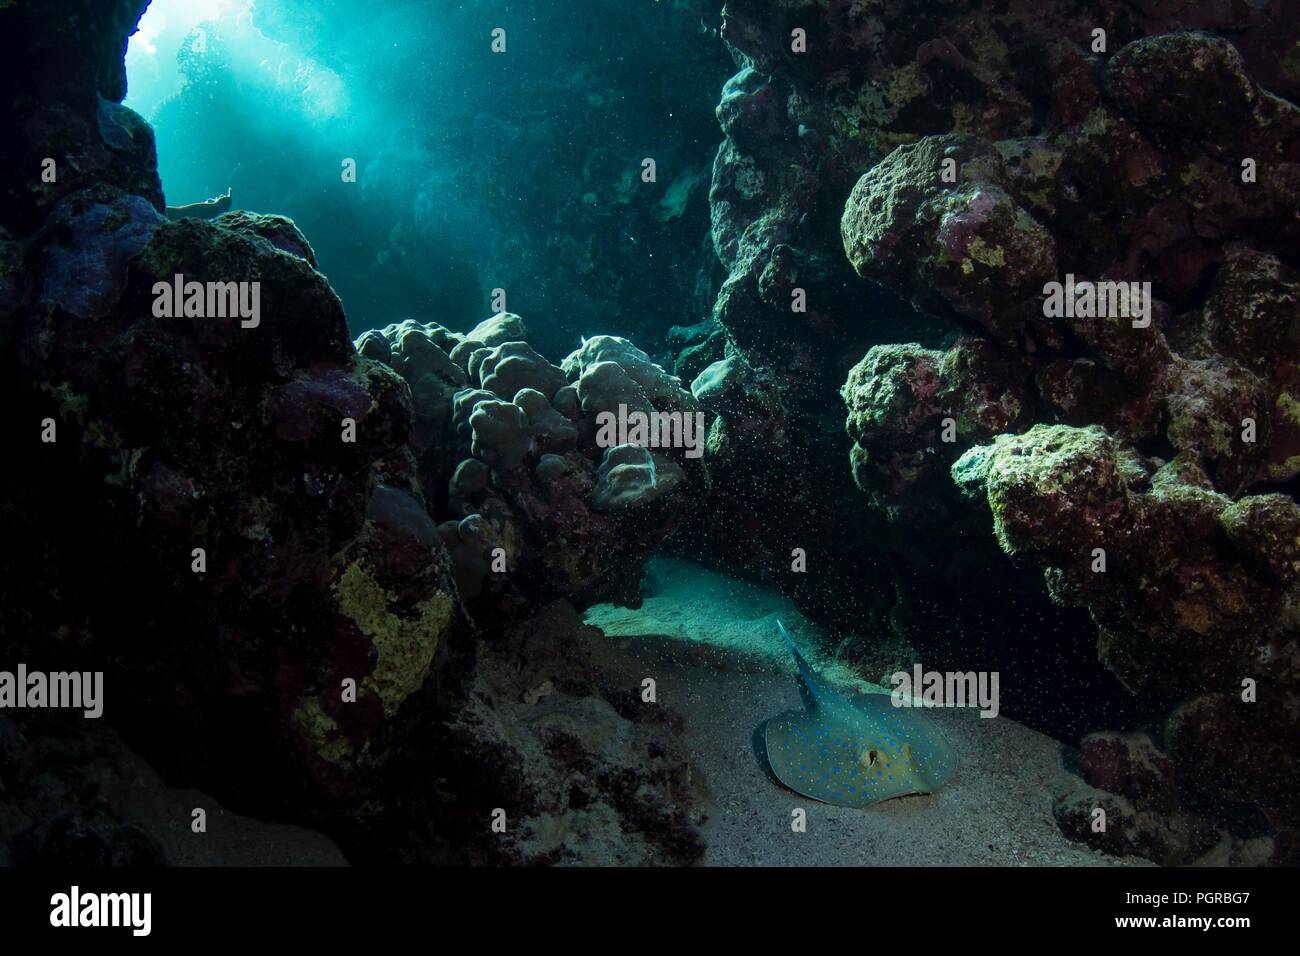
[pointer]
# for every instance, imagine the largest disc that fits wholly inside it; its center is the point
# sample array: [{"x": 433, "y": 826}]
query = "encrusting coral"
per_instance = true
[
  {"x": 1062, "y": 319},
  {"x": 536, "y": 507},
  {"x": 1173, "y": 408},
  {"x": 961, "y": 161},
  {"x": 231, "y": 516}
]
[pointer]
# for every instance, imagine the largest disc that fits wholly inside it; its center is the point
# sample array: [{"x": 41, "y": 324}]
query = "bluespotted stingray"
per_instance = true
[{"x": 854, "y": 751}]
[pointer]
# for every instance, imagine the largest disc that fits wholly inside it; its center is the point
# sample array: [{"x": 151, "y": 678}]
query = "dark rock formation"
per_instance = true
[
  {"x": 73, "y": 796},
  {"x": 64, "y": 107},
  {"x": 176, "y": 434},
  {"x": 966, "y": 158},
  {"x": 583, "y": 770},
  {"x": 221, "y": 504},
  {"x": 533, "y": 502},
  {"x": 310, "y": 569}
]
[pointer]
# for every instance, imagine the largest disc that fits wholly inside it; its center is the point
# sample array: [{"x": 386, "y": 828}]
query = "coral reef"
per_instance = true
[
  {"x": 963, "y": 160},
  {"x": 229, "y": 510},
  {"x": 591, "y": 773},
  {"x": 536, "y": 506},
  {"x": 1191, "y": 591},
  {"x": 335, "y": 580},
  {"x": 252, "y": 472}
]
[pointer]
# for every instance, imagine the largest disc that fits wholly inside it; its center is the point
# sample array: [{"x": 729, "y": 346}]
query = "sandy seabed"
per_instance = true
[{"x": 711, "y": 644}]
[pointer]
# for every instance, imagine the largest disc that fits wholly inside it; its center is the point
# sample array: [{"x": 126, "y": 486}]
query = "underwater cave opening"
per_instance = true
[
  {"x": 427, "y": 172},
  {"x": 153, "y": 69},
  {"x": 253, "y": 101}
]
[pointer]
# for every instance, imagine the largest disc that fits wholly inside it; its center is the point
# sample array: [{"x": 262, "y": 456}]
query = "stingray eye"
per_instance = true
[{"x": 871, "y": 757}]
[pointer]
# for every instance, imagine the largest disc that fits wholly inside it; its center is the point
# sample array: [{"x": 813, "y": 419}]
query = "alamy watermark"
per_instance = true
[
  {"x": 208, "y": 300},
  {"x": 922, "y": 688},
  {"x": 76, "y": 909},
  {"x": 79, "y": 690},
  {"x": 1088, "y": 300},
  {"x": 651, "y": 430}
]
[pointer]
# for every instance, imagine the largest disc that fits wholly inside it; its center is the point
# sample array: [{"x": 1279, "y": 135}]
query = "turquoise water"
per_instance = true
[{"x": 427, "y": 170}]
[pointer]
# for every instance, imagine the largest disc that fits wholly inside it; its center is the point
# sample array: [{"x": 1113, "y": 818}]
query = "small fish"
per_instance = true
[{"x": 853, "y": 752}]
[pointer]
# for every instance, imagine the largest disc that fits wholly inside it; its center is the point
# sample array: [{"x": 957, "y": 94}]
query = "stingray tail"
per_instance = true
[{"x": 816, "y": 686}]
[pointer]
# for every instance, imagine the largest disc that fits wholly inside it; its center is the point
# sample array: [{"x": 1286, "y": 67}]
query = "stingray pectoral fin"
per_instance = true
[
  {"x": 804, "y": 763},
  {"x": 939, "y": 765},
  {"x": 785, "y": 749},
  {"x": 933, "y": 757}
]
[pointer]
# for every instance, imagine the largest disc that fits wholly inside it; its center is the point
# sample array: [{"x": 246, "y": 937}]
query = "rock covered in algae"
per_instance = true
[
  {"x": 252, "y": 471},
  {"x": 1173, "y": 573},
  {"x": 535, "y": 506}
]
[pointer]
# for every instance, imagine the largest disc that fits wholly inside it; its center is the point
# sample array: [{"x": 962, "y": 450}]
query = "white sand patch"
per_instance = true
[{"x": 710, "y": 643}]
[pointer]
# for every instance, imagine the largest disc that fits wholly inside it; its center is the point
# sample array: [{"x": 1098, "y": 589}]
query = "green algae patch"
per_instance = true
[
  {"x": 323, "y": 731},
  {"x": 1048, "y": 489},
  {"x": 1289, "y": 408},
  {"x": 405, "y": 644},
  {"x": 986, "y": 253},
  {"x": 905, "y": 84},
  {"x": 1097, "y": 123}
]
